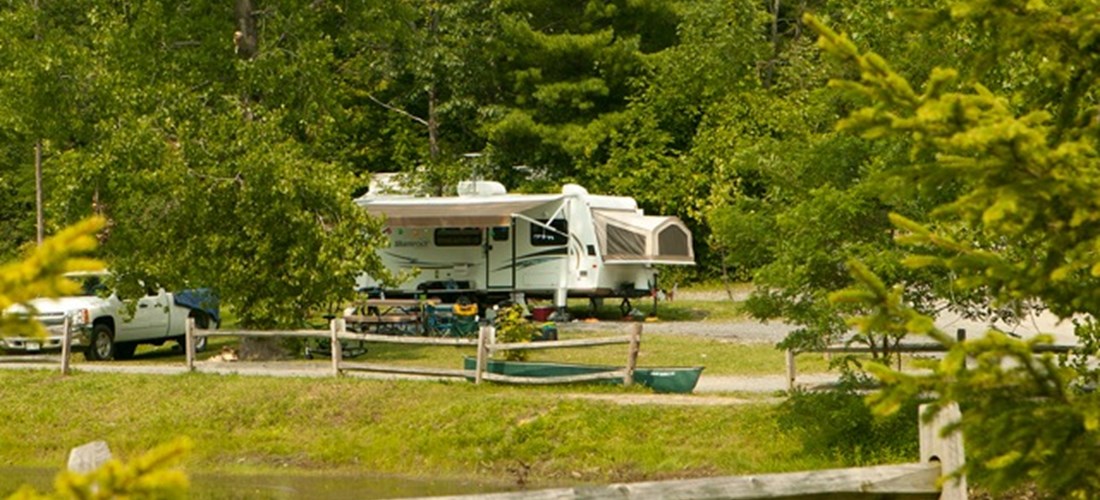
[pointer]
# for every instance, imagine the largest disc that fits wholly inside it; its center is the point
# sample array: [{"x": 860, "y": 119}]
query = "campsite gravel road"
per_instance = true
[{"x": 741, "y": 331}]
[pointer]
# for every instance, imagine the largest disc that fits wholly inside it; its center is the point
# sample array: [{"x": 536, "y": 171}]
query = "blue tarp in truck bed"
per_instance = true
[{"x": 202, "y": 299}]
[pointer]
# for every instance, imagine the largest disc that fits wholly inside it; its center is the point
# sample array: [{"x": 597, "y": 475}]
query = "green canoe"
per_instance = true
[{"x": 680, "y": 380}]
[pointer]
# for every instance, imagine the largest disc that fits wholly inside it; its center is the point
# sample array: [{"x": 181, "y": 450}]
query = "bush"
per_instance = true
[
  {"x": 513, "y": 327},
  {"x": 839, "y": 425}
]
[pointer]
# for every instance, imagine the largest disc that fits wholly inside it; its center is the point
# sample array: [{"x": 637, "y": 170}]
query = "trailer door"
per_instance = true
[{"x": 500, "y": 242}]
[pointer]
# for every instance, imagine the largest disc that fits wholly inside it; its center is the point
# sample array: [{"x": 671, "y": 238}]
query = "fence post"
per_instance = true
[
  {"x": 791, "y": 372},
  {"x": 66, "y": 345},
  {"x": 189, "y": 344},
  {"x": 632, "y": 356},
  {"x": 945, "y": 449},
  {"x": 483, "y": 335},
  {"x": 960, "y": 336},
  {"x": 336, "y": 326}
]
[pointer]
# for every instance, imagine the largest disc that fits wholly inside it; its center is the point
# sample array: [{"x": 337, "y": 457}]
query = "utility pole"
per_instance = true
[{"x": 39, "y": 218}]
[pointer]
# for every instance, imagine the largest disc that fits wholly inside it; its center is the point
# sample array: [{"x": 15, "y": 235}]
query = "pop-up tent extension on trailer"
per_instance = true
[{"x": 492, "y": 245}]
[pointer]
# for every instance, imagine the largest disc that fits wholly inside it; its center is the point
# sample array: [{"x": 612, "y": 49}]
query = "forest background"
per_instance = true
[
  {"x": 222, "y": 144},
  {"x": 224, "y": 140}
]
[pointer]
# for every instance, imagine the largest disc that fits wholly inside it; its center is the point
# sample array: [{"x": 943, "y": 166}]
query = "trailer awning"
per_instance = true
[
  {"x": 453, "y": 212},
  {"x": 627, "y": 237}
]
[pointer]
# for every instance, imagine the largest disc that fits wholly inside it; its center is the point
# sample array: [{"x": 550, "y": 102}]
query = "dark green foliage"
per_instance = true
[
  {"x": 838, "y": 425},
  {"x": 567, "y": 73},
  {"x": 211, "y": 168}
]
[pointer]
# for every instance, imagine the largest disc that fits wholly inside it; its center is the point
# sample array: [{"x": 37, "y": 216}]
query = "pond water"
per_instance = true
[{"x": 283, "y": 486}]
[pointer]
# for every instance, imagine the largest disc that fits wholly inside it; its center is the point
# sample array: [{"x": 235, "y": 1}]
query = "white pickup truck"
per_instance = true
[{"x": 108, "y": 327}]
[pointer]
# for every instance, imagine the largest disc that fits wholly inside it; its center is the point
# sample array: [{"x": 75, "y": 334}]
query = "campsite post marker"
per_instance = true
[
  {"x": 189, "y": 344},
  {"x": 483, "y": 334},
  {"x": 336, "y": 327},
  {"x": 66, "y": 345},
  {"x": 632, "y": 357}
]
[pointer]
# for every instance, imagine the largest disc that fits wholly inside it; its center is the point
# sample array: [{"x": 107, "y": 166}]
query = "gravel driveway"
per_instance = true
[{"x": 742, "y": 331}]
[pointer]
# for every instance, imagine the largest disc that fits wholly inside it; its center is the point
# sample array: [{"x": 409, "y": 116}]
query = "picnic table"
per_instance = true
[
  {"x": 381, "y": 316},
  {"x": 390, "y": 316}
]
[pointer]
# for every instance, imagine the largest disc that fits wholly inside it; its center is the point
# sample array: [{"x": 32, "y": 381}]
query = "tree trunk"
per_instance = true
[
  {"x": 769, "y": 74},
  {"x": 725, "y": 273},
  {"x": 246, "y": 39},
  {"x": 433, "y": 118},
  {"x": 247, "y": 43},
  {"x": 433, "y": 126}
]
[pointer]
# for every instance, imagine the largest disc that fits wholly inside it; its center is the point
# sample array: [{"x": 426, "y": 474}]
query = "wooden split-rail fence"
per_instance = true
[
  {"x": 485, "y": 342},
  {"x": 901, "y": 348}
]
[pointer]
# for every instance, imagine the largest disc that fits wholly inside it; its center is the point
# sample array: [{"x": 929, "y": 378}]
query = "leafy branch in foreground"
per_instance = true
[
  {"x": 1023, "y": 419},
  {"x": 152, "y": 475},
  {"x": 41, "y": 273},
  {"x": 1024, "y": 227}
]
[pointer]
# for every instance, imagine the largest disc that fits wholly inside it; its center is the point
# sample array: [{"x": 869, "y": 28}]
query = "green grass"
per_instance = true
[{"x": 241, "y": 424}]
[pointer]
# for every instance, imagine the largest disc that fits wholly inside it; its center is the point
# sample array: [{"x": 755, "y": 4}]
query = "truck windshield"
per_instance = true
[{"x": 90, "y": 285}]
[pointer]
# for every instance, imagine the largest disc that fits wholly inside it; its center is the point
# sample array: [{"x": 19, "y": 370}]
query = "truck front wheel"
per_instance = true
[{"x": 101, "y": 343}]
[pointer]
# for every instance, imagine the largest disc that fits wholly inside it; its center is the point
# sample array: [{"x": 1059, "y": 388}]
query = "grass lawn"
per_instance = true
[{"x": 241, "y": 424}]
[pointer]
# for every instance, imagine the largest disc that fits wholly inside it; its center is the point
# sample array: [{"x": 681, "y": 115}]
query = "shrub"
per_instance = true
[
  {"x": 840, "y": 424},
  {"x": 513, "y": 327}
]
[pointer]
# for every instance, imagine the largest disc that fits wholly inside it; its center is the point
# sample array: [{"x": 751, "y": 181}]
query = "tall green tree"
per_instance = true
[
  {"x": 44, "y": 105},
  {"x": 567, "y": 71},
  {"x": 654, "y": 152},
  {"x": 199, "y": 133},
  {"x": 756, "y": 164},
  {"x": 421, "y": 76}
]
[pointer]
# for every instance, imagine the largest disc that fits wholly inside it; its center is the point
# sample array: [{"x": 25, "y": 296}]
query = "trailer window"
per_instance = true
[
  {"x": 457, "y": 237},
  {"x": 500, "y": 233},
  {"x": 543, "y": 237},
  {"x": 674, "y": 241}
]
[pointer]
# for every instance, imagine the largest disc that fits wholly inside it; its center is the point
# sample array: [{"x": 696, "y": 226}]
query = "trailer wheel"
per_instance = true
[{"x": 101, "y": 343}]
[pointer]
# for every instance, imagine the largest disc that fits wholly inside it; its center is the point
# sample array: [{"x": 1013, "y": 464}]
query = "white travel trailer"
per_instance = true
[{"x": 492, "y": 245}]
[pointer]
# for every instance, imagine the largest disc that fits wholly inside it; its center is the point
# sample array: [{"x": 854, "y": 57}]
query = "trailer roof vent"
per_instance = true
[{"x": 481, "y": 188}]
